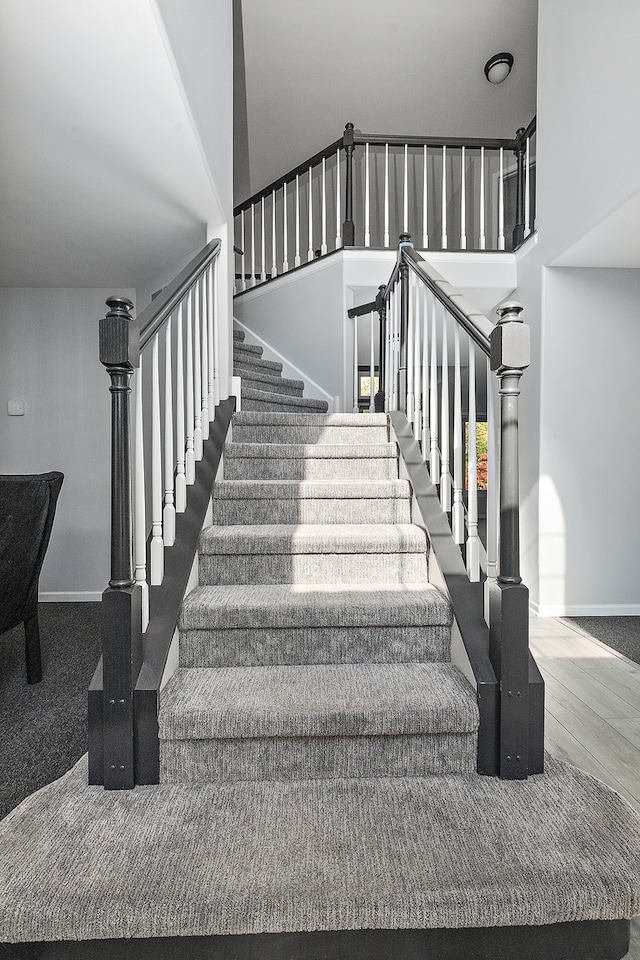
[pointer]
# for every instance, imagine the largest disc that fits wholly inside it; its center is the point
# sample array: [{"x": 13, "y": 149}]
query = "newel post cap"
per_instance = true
[
  {"x": 405, "y": 240},
  {"x": 119, "y": 339},
  {"x": 510, "y": 340}
]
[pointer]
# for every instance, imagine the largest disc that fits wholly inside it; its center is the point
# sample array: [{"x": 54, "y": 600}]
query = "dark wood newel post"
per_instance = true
[
  {"x": 509, "y": 597},
  {"x": 121, "y": 601},
  {"x": 348, "y": 228},
  {"x": 381, "y": 307},
  {"x": 405, "y": 241},
  {"x": 518, "y": 230}
]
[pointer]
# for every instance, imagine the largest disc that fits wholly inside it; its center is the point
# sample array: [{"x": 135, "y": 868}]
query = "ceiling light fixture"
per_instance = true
[{"x": 498, "y": 67}]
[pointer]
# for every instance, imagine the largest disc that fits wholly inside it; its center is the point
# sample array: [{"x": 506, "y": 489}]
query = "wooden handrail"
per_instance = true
[{"x": 288, "y": 177}]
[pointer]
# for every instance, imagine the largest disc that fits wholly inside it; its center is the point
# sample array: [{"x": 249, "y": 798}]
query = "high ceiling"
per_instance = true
[{"x": 306, "y": 67}]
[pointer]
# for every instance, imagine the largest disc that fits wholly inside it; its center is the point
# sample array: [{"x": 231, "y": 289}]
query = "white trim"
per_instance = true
[
  {"x": 304, "y": 376},
  {"x": 585, "y": 610},
  {"x": 70, "y": 596}
]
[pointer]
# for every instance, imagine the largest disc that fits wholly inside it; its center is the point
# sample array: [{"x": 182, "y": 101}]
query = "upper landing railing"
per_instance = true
[{"x": 364, "y": 189}]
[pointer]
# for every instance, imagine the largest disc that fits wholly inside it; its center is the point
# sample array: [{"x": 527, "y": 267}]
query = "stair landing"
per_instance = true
[{"x": 178, "y": 860}]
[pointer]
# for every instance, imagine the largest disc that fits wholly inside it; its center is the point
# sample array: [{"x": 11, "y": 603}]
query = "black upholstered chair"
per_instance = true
[{"x": 27, "y": 508}]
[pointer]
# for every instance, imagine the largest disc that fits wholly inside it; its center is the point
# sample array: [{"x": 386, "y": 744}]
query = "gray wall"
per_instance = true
[{"x": 49, "y": 357}]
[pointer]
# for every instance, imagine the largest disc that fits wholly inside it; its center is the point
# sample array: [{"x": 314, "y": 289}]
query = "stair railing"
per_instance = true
[
  {"x": 451, "y": 192},
  {"x": 171, "y": 350},
  {"x": 441, "y": 359}
]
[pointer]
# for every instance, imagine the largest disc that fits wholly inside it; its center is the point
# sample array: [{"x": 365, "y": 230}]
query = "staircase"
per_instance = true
[
  {"x": 263, "y": 386},
  {"x": 314, "y": 646}
]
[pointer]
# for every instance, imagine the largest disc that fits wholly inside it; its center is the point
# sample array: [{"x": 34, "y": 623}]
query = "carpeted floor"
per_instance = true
[
  {"x": 43, "y": 728},
  {"x": 621, "y": 633}
]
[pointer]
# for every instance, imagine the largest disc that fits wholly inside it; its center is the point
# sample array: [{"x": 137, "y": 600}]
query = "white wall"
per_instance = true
[
  {"x": 590, "y": 443},
  {"x": 49, "y": 357},
  {"x": 588, "y": 92}
]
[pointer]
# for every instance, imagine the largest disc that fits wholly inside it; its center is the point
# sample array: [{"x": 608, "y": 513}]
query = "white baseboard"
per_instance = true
[
  {"x": 79, "y": 596},
  {"x": 586, "y": 610}
]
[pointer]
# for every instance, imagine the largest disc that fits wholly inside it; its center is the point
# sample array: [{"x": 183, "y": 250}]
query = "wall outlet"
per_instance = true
[{"x": 16, "y": 408}]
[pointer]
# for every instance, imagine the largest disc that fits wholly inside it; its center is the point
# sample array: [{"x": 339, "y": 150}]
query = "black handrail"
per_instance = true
[
  {"x": 288, "y": 177},
  {"x": 397, "y": 140},
  {"x": 152, "y": 317}
]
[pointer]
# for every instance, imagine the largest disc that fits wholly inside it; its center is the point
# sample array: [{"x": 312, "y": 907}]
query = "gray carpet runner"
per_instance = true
[{"x": 314, "y": 647}]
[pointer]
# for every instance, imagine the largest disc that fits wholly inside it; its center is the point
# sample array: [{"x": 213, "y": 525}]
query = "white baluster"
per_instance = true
[
  {"x": 434, "y": 453},
  {"x": 197, "y": 375},
  {"x": 214, "y": 379},
  {"x": 274, "y": 265},
  {"x": 482, "y": 241},
  {"x": 181, "y": 480},
  {"x": 473, "y": 542},
  {"x": 527, "y": 196},
  {"x": 445, "y": 470},
  {"x": 372, "y": 365},
  {"x": 425, "y": 226},
  {"x": 338, "y": 218},
  {"x": 296, "y": 260},
  {"x": 140, "y": 529},
  {"x": 157, "y": 545},
  {"x": 416, "y": 361},
  {"x": 356, "y": 377},
  {"x": 463, "y": 204},
  {"x": 285, "y": 230},
  {"x": 189, "y": 463},
  {"x": 408, "y": 399},
  {"x": 405, "y": 197},
  {"x": 310, "y": 219},
  {"x": 263, "y": 255},
  {"x": 367, "y": 234},
  {"x": 243, "y": 268},
  {"x": 426, "y": 438},
  {"x": 204, "y": 370},
  {"x": 501, "y": 202},
  {"x": 457, "y": 509},
  {"x": 169, "y": 512},
  {"x": 252, "y": 281},
  {"x": 444, "y": 198},
  {"x": 386, "y": 194},
  {"x": 387, "y": 356},
  {"x": 493, "y": 480},
  {"x": 323, "y": 245}
]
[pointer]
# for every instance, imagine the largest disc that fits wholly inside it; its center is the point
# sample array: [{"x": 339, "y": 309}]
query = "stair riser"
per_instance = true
[
  {"x": 281, "y": 406},
  {"x": 307, "y": 645},
  {"x": 227, "y": 512},
  {"x": 253, "y": 468},
  {"x": 274, "y": 433},
  {"x": 313, "y": 568},
  {"x": 282, "y": 388},
  {"x": 312, "y": 758}
]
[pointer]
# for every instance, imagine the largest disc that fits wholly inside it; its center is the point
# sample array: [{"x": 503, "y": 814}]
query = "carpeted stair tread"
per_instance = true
[
  {"x": 242, "y": 349},
  {"x": 252, "y": 362},
  {"x": 328, "y": 700},
  {"x": 203, "y": 859},
  {"x": 263, "y": 399},
  {"x": 244, "y": 417},
  {"x": 315, "y": 451},
  {"x": 268, "y": 383},
  {"x": 312, "y": 490},
  {"x": 283, "y": 606},
  {"x": 282, "y": 538},
  {"x": 238, "y": 335}
]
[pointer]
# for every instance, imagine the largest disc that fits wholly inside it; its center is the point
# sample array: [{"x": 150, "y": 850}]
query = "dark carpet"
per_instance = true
[
  {"x": 620, "y": 633},
  {"x": 43, "y": 728}
]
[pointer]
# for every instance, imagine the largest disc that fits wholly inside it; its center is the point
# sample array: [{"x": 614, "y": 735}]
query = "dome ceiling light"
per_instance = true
[{"x": 498, "y": 67}]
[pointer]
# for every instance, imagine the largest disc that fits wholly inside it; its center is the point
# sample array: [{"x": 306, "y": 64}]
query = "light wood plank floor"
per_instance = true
[{"x": 593, "y": 711}]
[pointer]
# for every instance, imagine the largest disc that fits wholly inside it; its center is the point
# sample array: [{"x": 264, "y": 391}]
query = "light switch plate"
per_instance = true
[{"x": 16, "y": 408}]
